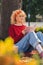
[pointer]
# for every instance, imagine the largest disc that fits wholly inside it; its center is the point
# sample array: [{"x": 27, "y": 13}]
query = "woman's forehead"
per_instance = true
[{"x": 22, "y": 14}]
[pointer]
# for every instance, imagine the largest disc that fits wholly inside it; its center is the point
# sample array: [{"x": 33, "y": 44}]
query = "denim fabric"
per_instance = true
[{"x": 32, "y": 39}]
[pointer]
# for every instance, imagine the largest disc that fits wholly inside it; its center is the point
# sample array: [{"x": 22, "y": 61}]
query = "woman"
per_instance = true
[{"x": 24, "y": 36}]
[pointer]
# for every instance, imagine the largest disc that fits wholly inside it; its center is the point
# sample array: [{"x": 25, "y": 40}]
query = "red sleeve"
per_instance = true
[
  {"x": 11, "y": 32},
  {"x": 15, "y": 36}
]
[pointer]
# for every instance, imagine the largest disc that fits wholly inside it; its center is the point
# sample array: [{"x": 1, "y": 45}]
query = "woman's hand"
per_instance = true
[
  {"x": 29, "y": 29},
  {"x": 32, "y": 28},
  {"x": 26, "y": 30}
]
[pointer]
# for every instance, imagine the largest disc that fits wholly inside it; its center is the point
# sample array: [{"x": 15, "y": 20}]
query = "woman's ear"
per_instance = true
[{"x": 17, "y": 18}]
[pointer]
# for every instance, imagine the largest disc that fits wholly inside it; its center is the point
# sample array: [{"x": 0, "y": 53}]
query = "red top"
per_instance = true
[{"x": 16, "y": 32}]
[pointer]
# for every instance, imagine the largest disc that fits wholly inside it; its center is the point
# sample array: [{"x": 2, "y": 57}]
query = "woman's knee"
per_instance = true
[{"x": 38, "y": 33}]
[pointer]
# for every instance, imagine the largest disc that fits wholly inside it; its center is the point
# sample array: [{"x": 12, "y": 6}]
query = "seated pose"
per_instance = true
[{"x": 23, "y": 35}]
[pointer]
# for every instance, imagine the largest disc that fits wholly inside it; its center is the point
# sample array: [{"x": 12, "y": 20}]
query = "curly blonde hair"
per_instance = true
[{"x": 14, "y": 14}]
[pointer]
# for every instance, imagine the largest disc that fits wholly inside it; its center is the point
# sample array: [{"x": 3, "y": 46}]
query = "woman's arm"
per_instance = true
[
  {"x": 11, "y": 32},
  {"x": 14, "y": 34},
  {"x": 29, "y": 29}
]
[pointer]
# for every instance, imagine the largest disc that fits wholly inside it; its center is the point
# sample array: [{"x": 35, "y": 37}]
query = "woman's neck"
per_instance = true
[{"x": 19, "y": 24}]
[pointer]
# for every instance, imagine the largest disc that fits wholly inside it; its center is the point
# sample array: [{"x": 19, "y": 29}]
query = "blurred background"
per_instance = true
[{"x": 33, "y": 9}]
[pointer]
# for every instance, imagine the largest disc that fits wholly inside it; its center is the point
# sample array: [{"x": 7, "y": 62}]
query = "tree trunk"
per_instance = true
[
  {"x": 0, "y": 22},
  {"x": 7, "y": 7}
]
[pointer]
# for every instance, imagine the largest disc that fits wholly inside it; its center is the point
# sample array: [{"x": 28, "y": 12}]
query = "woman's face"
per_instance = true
[{"x": 20, "y": 18}]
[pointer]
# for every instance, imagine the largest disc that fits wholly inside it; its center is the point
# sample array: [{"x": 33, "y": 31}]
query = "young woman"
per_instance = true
[{"x": 24, "y": 36}]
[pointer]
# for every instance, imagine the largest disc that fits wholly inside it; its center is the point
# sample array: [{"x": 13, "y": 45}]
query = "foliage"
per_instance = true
[
  {"x": 13, "y": 58},
  {"x": 0, "y": 1},
  {"x": 33, "y": 7},
  {"x": 36, "y": 56},
  {"x": 39, "y": 29},
  {"x": 6, "y": 46}
]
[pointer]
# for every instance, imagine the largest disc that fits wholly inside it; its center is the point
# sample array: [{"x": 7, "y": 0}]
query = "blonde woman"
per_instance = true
[{"x": 24, "y": 36}]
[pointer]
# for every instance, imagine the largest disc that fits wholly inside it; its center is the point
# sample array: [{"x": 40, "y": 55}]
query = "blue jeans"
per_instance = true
[{"x": 32, "y": 39}]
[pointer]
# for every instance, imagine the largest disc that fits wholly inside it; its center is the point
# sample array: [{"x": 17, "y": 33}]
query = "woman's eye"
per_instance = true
[{"x": 21, "y": 16}]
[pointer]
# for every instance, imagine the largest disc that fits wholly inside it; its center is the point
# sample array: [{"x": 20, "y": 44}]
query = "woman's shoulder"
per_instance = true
[{"x": 11, "y": 26}]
